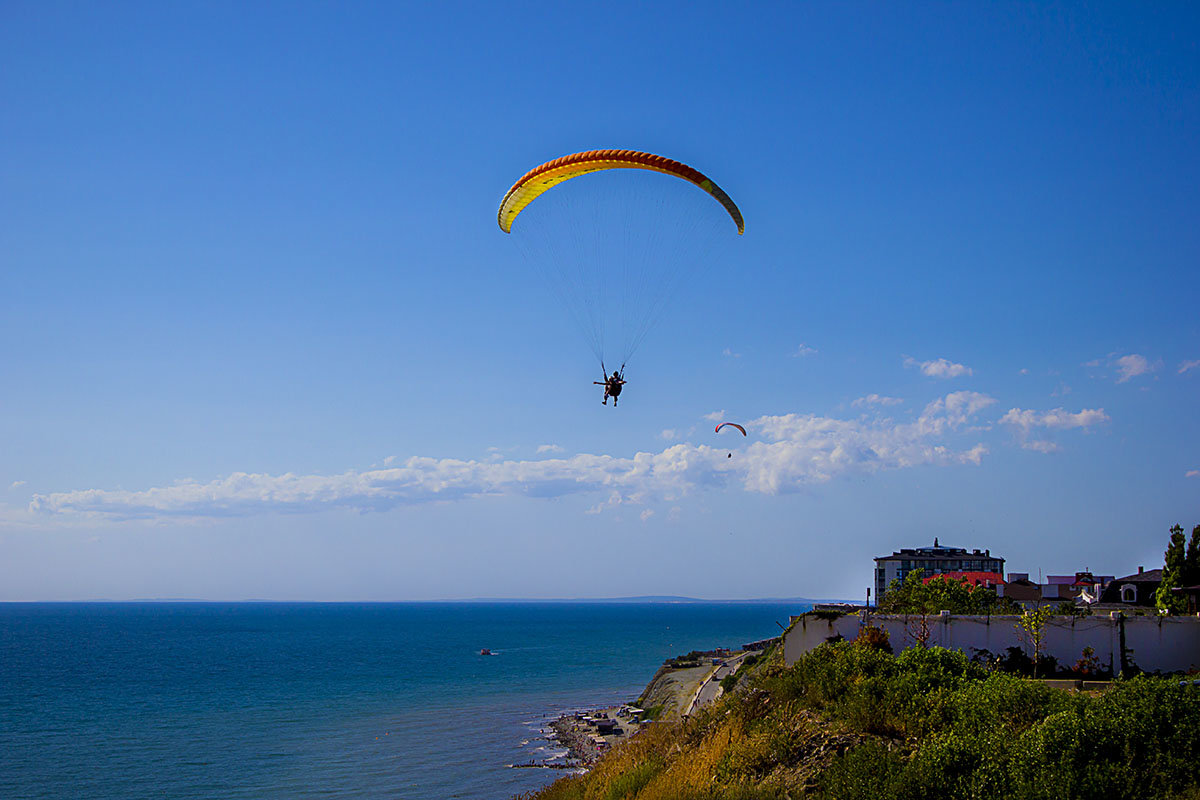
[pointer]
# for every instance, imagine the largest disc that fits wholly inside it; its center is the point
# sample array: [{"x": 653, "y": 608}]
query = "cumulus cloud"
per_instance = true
[
  {"x": 876, "y": 400},
  {"x": 647, "y": 514},
  {"x": 795, "y": 451},
  {"x": 1184, "y": 366},
  {"x": 715, "y": 416},
  {"x": 939, "y": 368},
  {"x": 1024, "y": 421},
  {"x": 730, "y": 354},
  {"x": 808, "y": 449},
  {"x": 668, "y": 434},
  {"x": 804, "y": 350},
  {"x": 549, "y": 448},
  {"x": 1127, "y": 367}
]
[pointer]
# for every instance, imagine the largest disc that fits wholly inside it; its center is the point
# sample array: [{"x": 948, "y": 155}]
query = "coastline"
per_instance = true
[{"x": 679, "y": 687}]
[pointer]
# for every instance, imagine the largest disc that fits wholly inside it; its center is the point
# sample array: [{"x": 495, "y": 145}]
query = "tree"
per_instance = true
[
  {"x": 1192, "y": 559},
  {"x": 1181, "y": 567},
  {"x": 915, "y": 596},
  {"x": 1032, "y": 627}
]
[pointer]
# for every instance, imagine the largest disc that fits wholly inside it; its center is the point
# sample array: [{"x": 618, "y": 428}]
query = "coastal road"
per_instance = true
[{"x": 710, "y": 688}]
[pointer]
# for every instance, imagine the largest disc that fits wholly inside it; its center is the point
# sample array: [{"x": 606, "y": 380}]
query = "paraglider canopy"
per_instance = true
[
  {"x": 541, "y": 178},
  {"x": 618, "y": 246},
  {"x": 731, "y": 425}
]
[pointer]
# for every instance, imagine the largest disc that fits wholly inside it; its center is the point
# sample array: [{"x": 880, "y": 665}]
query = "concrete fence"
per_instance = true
[{"x": 1152, "y": 643}]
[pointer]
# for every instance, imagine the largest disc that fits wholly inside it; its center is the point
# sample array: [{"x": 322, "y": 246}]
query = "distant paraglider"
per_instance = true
[{"x": 730, "y": 425}]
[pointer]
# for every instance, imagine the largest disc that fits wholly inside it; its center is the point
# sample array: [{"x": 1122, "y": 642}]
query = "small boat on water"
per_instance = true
[{"x": 486, "y": 652}]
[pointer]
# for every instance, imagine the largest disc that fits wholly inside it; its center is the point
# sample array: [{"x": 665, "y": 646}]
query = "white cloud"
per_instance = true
[
  {"x": 647, "y": 514},
  {"x": 1026, "y": 420},
  {"x": 1131, "y": 366},
  {"x": 939, "y": 368},
  {"x": 804, "y": 350},
  {"x": 876, "y": 400},
  {"x": 715, "y": 416},
  {"x": 16, "y": 484},
  {"x": 1023, "y": 371},
  {"x": 1184, "y": 366},
  {"x": 1192, "y": 473},
  {"x": 549, "y": 448},
  {"x": 810, "y": 449},
  {"x": 1057, "y": 418},
  {"x": 669, "y": 434},
  {"x": 796, "y": 451},
  {"x": 730, "y": 354}
]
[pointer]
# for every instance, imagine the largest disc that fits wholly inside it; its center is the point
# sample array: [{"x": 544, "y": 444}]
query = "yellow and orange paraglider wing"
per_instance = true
[{"x": 539, "y": 179}]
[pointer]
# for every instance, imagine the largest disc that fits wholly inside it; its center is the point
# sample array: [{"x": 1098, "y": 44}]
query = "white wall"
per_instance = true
[{"x": 1158, "y": 644}]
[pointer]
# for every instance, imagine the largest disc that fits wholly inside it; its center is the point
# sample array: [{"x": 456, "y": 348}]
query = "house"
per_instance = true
[
  {"x": 1133, "y": 590},
  {"x": 1021, "y": 590},
  {"x": 1082, "y": 586},
  {"x": 936, "y": 560}
]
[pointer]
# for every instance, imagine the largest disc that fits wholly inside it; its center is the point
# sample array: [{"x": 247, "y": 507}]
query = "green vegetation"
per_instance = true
[
  {"x": 692, "y": 659},
  {"x": 653, "y": 712},
  {"x": 729, "y": 682},
  {"x": 914, "y": 596},
  {"x": 1032, "y": 626},
  {"x": 849, "y": 720},
  {"x": 1181, "y": 568}
]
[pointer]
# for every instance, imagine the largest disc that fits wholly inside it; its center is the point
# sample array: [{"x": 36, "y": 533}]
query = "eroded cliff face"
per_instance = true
[{"x": 670, "y": 691}]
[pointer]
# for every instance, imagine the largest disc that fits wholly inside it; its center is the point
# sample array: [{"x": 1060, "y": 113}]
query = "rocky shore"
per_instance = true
[
  {"x": 678, "y": 688},
  {"x": 587, "y": 735}
]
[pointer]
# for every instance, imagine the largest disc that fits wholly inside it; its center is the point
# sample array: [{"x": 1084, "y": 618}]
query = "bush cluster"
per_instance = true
[{"x": 948, "y": 728}]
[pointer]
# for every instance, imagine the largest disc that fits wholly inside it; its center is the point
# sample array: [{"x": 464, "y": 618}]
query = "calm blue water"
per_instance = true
[{"x": 264, "y": 700}]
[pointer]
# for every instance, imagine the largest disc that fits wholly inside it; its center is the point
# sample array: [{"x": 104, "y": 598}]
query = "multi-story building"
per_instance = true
[{"x": 936, "y": 560}]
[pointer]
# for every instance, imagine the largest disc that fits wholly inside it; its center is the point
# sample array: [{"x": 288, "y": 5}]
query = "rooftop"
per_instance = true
[
  {"x": 938, "y": 551},
  {"x": 1149, "y": 576}
]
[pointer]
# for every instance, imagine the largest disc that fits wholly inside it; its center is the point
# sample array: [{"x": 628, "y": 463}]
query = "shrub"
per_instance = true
[
  {"x": 877, "y": 638},
  {"x": 869, "y": 770}
]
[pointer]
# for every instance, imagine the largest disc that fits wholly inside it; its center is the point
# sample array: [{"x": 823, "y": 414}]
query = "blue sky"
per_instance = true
[{"x": 260, "y": 327}]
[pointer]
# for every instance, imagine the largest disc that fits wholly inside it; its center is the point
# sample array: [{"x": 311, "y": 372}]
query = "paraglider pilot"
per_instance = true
[{"x": 612, "y": 387}]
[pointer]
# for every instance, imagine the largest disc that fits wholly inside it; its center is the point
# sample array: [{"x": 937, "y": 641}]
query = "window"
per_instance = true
[{"x": 1128, "y": 594}]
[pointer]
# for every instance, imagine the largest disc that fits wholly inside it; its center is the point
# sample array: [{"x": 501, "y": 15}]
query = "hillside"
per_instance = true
[{"x": 851, "y": 721}]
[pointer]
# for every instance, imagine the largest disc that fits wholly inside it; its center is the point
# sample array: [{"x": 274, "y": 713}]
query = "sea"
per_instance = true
[{"x": 327, "y": 700}]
